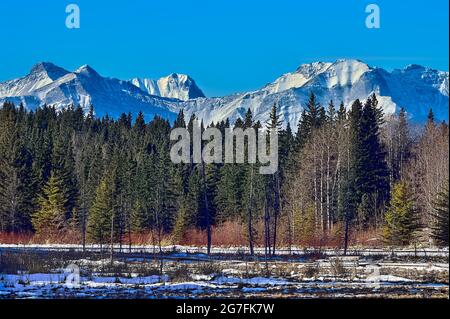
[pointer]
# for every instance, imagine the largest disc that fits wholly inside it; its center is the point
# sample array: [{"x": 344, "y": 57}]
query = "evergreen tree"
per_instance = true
[
  {"x": 180, "y": 121},
  {"x": 273, "y": 186},
  {"x": 369, "y": 173},
  {"x": 356, "y": 160},
  {"x": 16, "y": 174},
  {"x": 228, "y": 197},
  {"x": 50, "y": 219},
  {"x": 181, "y": 222},
  {"x": 341, "y": 113},
  {"x": 106, "y": 178},
  {"x": 313, "y": 116},
  {"x": 375, "y": 178},
  {"x": 401, "y": 222},
  {"x": 139, "y": 124},
  {"x": 102, "y": 212},
  {"x": 430, "y": 117},
  {"x": 441, "y": 209},
  {"x": 63, "y": 166},
  {"x": 193, "y": 198}
]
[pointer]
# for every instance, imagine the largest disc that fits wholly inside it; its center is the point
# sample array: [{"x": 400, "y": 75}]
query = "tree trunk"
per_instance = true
[
  {"x": 112, "y": 240},
  {"x": 83, "y": 222},
  {"x": 267, "y": 247},
  {"x": 276, "y": 210},
  {"x": 208, "y": 218},
  {"x": 249, "y": 214},
  {"x": 346, "y": 235}
]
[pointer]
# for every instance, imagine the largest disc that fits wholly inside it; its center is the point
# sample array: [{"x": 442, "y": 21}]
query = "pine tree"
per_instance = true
[
  {"x": 441, "y": 210},
  {"x": 101, "y": 213},
  {"x": 50, "y": 219},
  {"x": 16, "y": 173},
  {"x": 401, "y": 222},
  {"x": 181, "y": 222},
  {"x": 63, "y": 166},
  {"x": 273, "y": 186},
  {"x": 193, "y": 198},
  {"x": 180, "y": 121},
  {"x": 369, "y": 174},
  {"x": 356, "y": 159},
  {"x": 227, "y": 198},
  {"x": 139, "y": 124},
  {"x": 331, "y": 112},
  {"x": 139, "y": 219},
  {"x": 375, "y": 173},
  {"x": 430, "y": 117},
  {"x": 313, "y": 116},
  {"x": 248, "y": 119},
  {"x": 342, "y": 113}
]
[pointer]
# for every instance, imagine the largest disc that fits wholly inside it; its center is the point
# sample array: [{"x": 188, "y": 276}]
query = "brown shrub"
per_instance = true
[{"x": 230, "y": 233}]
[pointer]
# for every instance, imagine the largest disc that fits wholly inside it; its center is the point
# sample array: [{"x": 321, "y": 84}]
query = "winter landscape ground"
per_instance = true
[{"x": 187, "y": 272}]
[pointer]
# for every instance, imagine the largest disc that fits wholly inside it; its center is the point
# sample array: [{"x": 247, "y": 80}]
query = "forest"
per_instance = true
[{"x": 345, "y": 177}]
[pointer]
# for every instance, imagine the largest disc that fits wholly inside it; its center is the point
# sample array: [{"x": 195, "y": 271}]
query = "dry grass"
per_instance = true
[
  {"x": 16, "y": 238},
  {"x": 180, "y": 274},
  {"x": 337, "y": 268},
  {"x": 311, "y": 270},
  {"x": 231, "y": 233},
  {"x": 226, "y": 234}
]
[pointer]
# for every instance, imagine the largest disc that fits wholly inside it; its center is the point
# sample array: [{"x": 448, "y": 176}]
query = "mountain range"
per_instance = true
[{"x": 415, "y": 88}]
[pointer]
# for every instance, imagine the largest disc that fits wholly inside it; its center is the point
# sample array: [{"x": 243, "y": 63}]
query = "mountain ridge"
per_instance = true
[{"x": 415, "y": 87}]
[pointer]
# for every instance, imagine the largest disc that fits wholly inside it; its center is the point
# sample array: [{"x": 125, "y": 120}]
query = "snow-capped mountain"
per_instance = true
[
  {"x": 40, "y": 75},
  {"x": 416, "y": 88},
  {"x": 52, "y": 85},
  {"x": 177, "y": 86}
]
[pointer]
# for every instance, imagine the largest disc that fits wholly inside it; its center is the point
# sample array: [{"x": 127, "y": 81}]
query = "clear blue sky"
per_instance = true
[{"x": 225, "y": 45}]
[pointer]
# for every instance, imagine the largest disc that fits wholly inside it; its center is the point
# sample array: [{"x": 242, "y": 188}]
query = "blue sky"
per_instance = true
[{"x": 225, "y": 45}]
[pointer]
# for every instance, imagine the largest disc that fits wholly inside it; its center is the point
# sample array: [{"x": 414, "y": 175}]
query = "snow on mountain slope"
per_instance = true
[
  {"x": 298, "y": 78},
  {"x": 419, "y": 88},
  {"x": 40, "y": 75},
  {"x": 177, "y": 86},
  {"x": 415, "y": 88},
  {"x": 147, "y": 85},
  {"x": 86, "y": 87}
]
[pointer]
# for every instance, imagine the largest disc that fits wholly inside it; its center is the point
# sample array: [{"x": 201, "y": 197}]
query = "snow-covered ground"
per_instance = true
[
  {"x": 233, "y": 250},
  {"x": 53, "y": 286},
  {"x": 180, "y": 274}
]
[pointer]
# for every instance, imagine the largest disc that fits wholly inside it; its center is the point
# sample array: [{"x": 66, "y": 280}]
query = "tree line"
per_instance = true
[{"x": 105, "y": 179}]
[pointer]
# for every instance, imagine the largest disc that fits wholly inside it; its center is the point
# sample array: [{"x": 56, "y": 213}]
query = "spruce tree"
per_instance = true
[
  {"x": 101, "y": 213},
  {"x": 369, "y": 174},
  {"x": 273, "y": 186},
  {"x": 401, "y": 220},
  {"x": 63, "y": 166},
  {"x": 313, "y": 116},
  {"x": 16, "y": 176},
  {"x": 50, "y": 219},
  {"x": 375, "y": 173},
  {"x": 441, "y": 210},
  {"x": 341, "y": 113}
]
